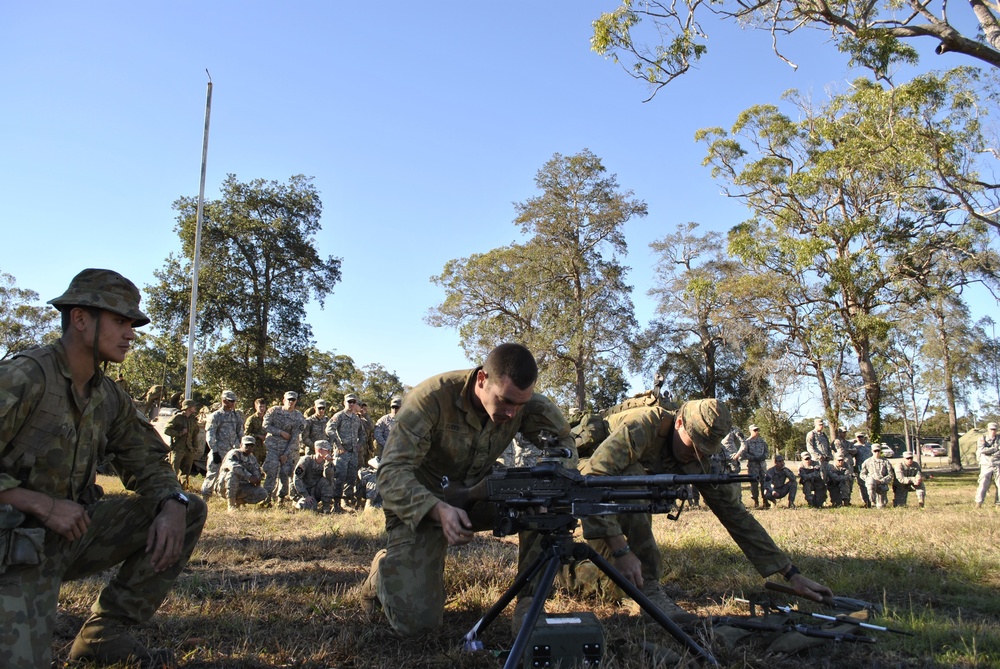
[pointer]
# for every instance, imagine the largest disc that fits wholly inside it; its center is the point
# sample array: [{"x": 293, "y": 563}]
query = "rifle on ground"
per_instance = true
[
  {"x": 848, "y": 604},
  {"x": 805, "y": 630}
]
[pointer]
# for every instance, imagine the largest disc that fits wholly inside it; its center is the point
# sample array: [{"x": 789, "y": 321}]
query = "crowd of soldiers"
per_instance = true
[
  {"x": 280, "y": 455},
  {"x": 827, "y": 470}
]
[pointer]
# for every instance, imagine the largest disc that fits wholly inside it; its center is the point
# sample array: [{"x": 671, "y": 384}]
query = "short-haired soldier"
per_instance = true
[{"x": 59, "y": 414}]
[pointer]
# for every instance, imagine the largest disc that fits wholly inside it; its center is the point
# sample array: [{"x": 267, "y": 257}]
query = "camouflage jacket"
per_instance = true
[
  {"x": 644, "y": 436},
  {"x": 183, "y": 431},
  {"x": 278, "y": 420},
  {"x": 224, "y": 430},
  {"x": 309, "y": 472},
  {"x": 439, "y": 432},
  {"x": 988, "y": 451},
  {"x": 382, "y": 427},
  {"x": 346, "y": 430},
  {"x": 907, "y": 474},
  {"x": 313, "y": 431},
  {"x": 811, "y": 473},
  {"x": 818, "y": 446},
  {"x": 835, "y": 474},
  {"x": 755, "y": 448},
  {"x": 64, "y": 464},
  {"x": 779, "y": 477},
  {"x": 878, "y": 470},
  {"x": 241, "y": 466}
]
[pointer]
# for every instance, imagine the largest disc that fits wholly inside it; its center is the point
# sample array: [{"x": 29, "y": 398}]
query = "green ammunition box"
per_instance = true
[{"x": 565, "y": 640}]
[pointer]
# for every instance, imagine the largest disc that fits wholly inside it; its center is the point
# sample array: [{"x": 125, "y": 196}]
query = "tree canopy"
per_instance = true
[
  {"x": 561, "y": 293},
  {"x": 259, "y": 268},
  {"x": 23, "y": 324},
  {"x": 657, "y": 41}
]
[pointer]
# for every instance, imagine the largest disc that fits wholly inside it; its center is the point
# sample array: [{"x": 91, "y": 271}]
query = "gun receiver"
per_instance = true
[{"x": 538, "y": 497}]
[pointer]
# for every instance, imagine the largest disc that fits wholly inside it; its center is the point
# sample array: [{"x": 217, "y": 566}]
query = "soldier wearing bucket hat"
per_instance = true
[
  {"x": 48, "y": 461},
  {"x": 652, "y": 440}
]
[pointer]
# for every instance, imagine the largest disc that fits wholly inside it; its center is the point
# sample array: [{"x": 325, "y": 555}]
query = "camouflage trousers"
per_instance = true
[
  {"x": 756, "y": 470},
  {"x": 277, "y": 474},
  {"x": 345, "y": 478},
  {"x": 988, "y": 476},
  {"x": 900, "y": 492},
  {"x": 211, "y": 483},
  {"x": 863, "y": 490},
  {"x": 840, "y": 491},
  {"x": 878, "y": 493},
  {"x": 240, "y": 492},
  {"x": 117, "y": 535},
  {"x": 409, "y": 581},
  {"x": 814, "y": 492},
  {"x": 321, "y": 493},
  {"x": 367, "y": 481},
  {"x": 772, "y": 493},
  {"x": 182, "y": 460}
]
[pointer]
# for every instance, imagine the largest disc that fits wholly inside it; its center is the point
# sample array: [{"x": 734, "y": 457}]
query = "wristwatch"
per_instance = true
[{"x": 177, "y": 497}]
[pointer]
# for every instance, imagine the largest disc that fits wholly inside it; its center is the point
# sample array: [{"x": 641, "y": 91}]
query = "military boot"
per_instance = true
[
  {"x": 369, "y": 593},
  {"x": 104, "y": 640},
  {"x": 337, "y": 508},
  {"x": 654, "y": 591}
]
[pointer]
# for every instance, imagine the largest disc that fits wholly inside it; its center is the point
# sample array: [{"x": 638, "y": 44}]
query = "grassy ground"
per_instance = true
[{"x": 277, "y": 588}]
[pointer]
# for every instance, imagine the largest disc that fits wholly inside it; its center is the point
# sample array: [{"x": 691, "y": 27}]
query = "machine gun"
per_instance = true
[{"x": 549, "y": 499}]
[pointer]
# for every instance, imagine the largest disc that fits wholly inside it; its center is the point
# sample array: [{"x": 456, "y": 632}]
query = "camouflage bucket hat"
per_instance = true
[
  {"x": 104, "y": 289},
  {"x": 706, "y": 422}
]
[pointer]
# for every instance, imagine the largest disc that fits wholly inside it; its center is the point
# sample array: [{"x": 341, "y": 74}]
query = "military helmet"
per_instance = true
[{"x": 104, "y": 289}]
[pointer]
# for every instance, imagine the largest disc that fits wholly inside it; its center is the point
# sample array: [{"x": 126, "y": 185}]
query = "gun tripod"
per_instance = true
[{"x": 558, "y": 548}]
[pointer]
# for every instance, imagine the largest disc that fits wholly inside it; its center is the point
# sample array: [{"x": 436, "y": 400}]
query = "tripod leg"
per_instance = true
[
  {"x": 553, "y": 561},
  {"x": 648, "y": 606},
  {"x": 471, "y": 641}
]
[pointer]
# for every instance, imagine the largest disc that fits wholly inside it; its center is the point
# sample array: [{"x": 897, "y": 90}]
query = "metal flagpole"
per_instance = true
[{"x": 192, "y": 322}]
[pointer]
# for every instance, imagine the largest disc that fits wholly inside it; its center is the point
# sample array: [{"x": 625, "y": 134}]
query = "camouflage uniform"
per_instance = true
[
  {"x": 313, "y": 478},
  {"x": 818, "y": 446},
  {"x": 779, "y": 482},
  {"x": 908, "y": 477},
  {"x": 812, "y": 482},
  {"x": 183, "y": 432},
  {"x": 520, "y": 453},
  {"x": 640, "y": 443},
  {"x": 223, "y": 431},
  {"x": 254, "y": 427},
  {"x": 60, "y": 462},
  {"x": 313, "y": 431},
  {"x": 988, "y": 454},
  {"x": 439, "y": 432},
  {"x": 236, "y": 479},
  {"x": 276, "y": 421},
  {"x": 840, "y": 480},
  {"x": 153, "y": 398},
  {"x": 346, "y": 432},
  {"x": 367, "y": 449},
  {"x": 368, "y": 480},
  {"x": 860, "y": 451},
  {"x": 878, "y": 475},
  {"x": 731, "y": 445},
  {"x": 755, "y": 449},
  {"x": 382, "y": 427}
]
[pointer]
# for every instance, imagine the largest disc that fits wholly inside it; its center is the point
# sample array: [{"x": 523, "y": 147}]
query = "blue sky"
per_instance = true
[{"x": 421, "y": 123}]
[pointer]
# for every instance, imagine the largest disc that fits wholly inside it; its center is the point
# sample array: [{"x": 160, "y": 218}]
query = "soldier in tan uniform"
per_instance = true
[
  {"x": 652, "y": 440},
  {"x": 453, "y": 425},
  {"x": 58, "y": 415},
  {"x": 184, "y": 445}
]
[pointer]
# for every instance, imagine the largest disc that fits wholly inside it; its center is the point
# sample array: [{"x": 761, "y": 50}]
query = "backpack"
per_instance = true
[{"x": 592, "y": 428}]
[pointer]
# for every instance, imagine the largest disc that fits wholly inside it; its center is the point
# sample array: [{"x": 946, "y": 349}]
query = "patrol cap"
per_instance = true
[
  {"x": 753, "y": 428},
  {"x": 907, "y": 454},
  {"x": 860, "y": 434},
  {"x": 707, "y": 422},
  {"x": 805, "y": 455},
  {"x": 249, "y": 439},
  {"x": 322, "y": 445},
  {"x": 876, "y": 447},
  {"x": 228, "y": 395},
  {"x": 187, "y": 404},
  {"x": 819, "y": 421},
  {"x": 350, "y": 396},
  {"x": 779, "y": 456},
  {"x": 396, "y": 401},
  {"x": 320, "y": 404},
  {"x": 291, "y": 395},
  {"x": 104, "y": 289},
  {"x": 840, "y": 457},
  {"x": 992, "y": 426}
]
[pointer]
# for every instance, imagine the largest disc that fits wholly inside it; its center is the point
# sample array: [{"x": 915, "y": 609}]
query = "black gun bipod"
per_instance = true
[{"x": 558, "y": 548}]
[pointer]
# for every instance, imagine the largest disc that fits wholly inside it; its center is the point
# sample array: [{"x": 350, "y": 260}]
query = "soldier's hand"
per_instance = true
[
  {"x": 455, "y": 523},
  {"x": 282, "y": 458},
  {"x": 66, "y": 518},
  {"x": 809, "y": 589},
  {"x": 254, "y": 480},
  {"x": 166, "y": 536},
  {"x": 285, "y": 435},
  {"x": 630, "y": 568}
]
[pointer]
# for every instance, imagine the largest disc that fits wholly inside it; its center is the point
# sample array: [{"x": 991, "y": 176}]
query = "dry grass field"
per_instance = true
[{"x": 278, "y": 588}]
